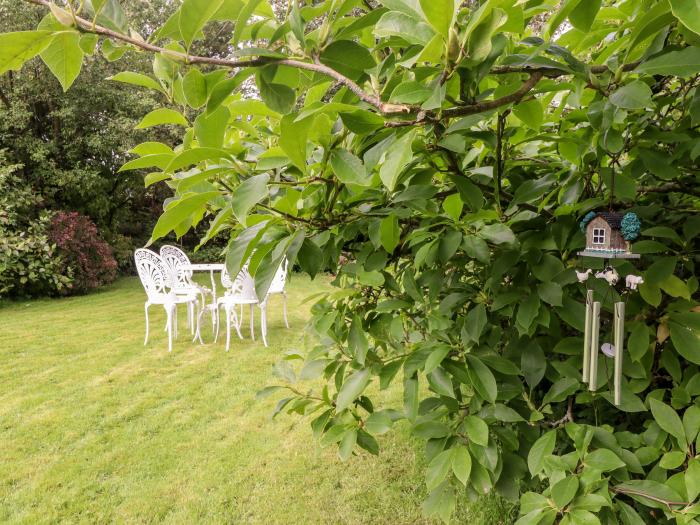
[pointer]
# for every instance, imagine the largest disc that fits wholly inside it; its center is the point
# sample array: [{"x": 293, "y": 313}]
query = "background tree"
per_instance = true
[{"x": 450, "y": 150}]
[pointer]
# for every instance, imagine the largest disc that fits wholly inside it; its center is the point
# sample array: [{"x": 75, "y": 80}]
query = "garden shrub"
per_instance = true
[
  {"x": 29, "y": 263},
  {"x": 84, "y": 253}
]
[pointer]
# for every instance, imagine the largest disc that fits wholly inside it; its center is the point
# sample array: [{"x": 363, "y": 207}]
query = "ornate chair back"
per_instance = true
[
  {"x": 280, "y": 278},
  {"x": 154, "y": 274},
  {"x": 175, "y": 259},
  {"x": 242, "y": 287}
]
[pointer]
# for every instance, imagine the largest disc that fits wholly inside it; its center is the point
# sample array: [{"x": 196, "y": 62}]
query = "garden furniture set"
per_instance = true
[{"x": 168, "y": 281}]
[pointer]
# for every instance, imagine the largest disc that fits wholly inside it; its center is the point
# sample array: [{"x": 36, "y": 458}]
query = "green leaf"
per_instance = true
[
  {"x": 194, "y": 15},
  {"x": 560, "y": 390},
  {"x": 310, "y": 258},
  {"x": 439, "y": 14},
  {"x": 348, "y": 58},
  {"x": 64, "y": 57},
  {"x": 431, "y": 429},
  {"x": 604, "y": 460},
  {"x": 692, "y": 479},
  {"x": 682, "y": 63},
  {"x": 378, "y": 423},
  {"x": 668, "y": 419},
  {"x": 347, "y": 444},
  {"x": 404, "y": 26},
  {"x": 482, "y": 379},
  {"x": 16, "y": 48},
  {"x": 293, "y": 139},
  {"x": 527, "y": 311},
  {"x": 390, "y": 233},
  {"x": 438, "y": 469},
  {"x": 461, "y": 464},
  {"x": 352, "y": 387},
  {"x": 397, "y": 158},
  {"x": 638, "y": 489},
  {"x": 210, "y": 128},
  {"x": 530, "y": 113},
  {"x": 247, "y": 194},
  {"x": 691, "y": 423},
  {"x": 672, "y": 460},
  {"x": 440, "y": 502},
  {"x": 685, "y": 341},
  {"x": 688, "y": 13},
  {"x": 628, "y": 515},
  {"x": 453, "y": 206},
  {"x": 361, "y": 121},
  {"x": 357, "y": 341},
  {"x": 497, "y": 233},
  {"x": 583, "y": 15},
  {"x": 410, "y": 92},
  {"x": 243, "y": 16},
  {"x": 635, "y": 95},
  {"x": 109, "y": 14},
  {"x": 348, "y": 168},
  {"x": 564, "y": 491},
  {"x": 544, "y": 446},
  {"x": 161, "y": 116},
  {"x": 181, "y": 211},
  {"x": 477, "y": 430},
  {"x": 137, "y": 79},
  {"x": 278, "y": 97},
  {"x": 638, "y": 343},
  {"x": 475, "y": 322},
  {"x": 194, "y": 85},
  {"x": 674, "y": 287},
  {"x": 550, "y": 293}
]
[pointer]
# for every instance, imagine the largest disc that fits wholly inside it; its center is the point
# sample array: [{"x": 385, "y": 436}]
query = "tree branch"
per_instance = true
[
  {"x": 373, "y": 100},
  {"x": 553, "y": 73},
  {"x": 481, "y": 107},
  {"x": 670, "y": 187}
]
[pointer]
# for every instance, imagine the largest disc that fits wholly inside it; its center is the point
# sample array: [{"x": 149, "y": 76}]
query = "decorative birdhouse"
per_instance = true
[{"x": 609, "y": 233}]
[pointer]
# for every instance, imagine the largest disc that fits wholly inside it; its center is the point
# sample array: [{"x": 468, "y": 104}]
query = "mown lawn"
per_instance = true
[{"x": 97, "y": 428}]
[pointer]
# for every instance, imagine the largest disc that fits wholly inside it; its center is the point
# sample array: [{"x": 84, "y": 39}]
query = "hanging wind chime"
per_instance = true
[{"x": 608, "y": 236}]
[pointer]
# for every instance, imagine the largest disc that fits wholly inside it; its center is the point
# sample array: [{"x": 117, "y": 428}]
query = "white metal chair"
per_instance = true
[
  {"x": 183, "y": 284},
  {"x": 277, "y": 287},
  {"x": 156, "y": 278},
  {"x": 240, "y": 291}
]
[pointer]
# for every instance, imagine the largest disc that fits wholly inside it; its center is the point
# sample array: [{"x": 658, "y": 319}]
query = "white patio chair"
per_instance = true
[
  {"x": 156, "y": 278},
  {"x": 183, "y": 284},
  {"x": 240, "y": 291},
  {"x": 277, "y": 287}
]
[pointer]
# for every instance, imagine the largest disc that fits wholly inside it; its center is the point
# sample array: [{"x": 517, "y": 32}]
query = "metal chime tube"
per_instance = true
[
  {"x": 595, "y": 334},
  {"x": 587, "y": 336},
  {"x": 619, "y": 325}
]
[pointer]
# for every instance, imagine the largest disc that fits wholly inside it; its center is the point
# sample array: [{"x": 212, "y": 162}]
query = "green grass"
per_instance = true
[{"x": 96, "y": 428}]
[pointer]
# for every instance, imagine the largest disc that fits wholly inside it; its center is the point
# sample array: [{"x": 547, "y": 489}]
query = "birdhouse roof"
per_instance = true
[{"x": 613, "y": 218}]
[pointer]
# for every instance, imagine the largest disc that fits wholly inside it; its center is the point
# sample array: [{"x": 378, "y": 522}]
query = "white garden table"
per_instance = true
[{"x": 212, "y": 268}]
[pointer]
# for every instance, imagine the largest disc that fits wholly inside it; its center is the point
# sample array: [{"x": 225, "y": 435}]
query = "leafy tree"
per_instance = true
[{"x": 448, "y": 152}]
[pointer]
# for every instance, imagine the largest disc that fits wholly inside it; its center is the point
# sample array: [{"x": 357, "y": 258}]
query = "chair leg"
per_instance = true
[
  {"x": 228, "y": 327},
  {"x": 175, "y": 320},
  {"x": 170, "y": 312},
  {"x": 146, "y": 339},
  {"x": 216, "y": 332},
  {"x": 252, "y": 319},
  {"x": 236, "y": 322},
  {"x": 263, "y": 322},
  {"x": 240, "y": 317},
  {"x": 284, "y": 303}
]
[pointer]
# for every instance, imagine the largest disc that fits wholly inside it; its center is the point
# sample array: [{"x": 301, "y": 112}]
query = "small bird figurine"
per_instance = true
[
  {"x": 583, "y": 276},
  {"x": 609, "y": 275},
  {"x": 632, "y": 281}
]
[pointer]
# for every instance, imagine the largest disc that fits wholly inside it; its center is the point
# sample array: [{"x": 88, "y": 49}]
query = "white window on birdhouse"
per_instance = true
[{"x": 598, "y": 236}]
